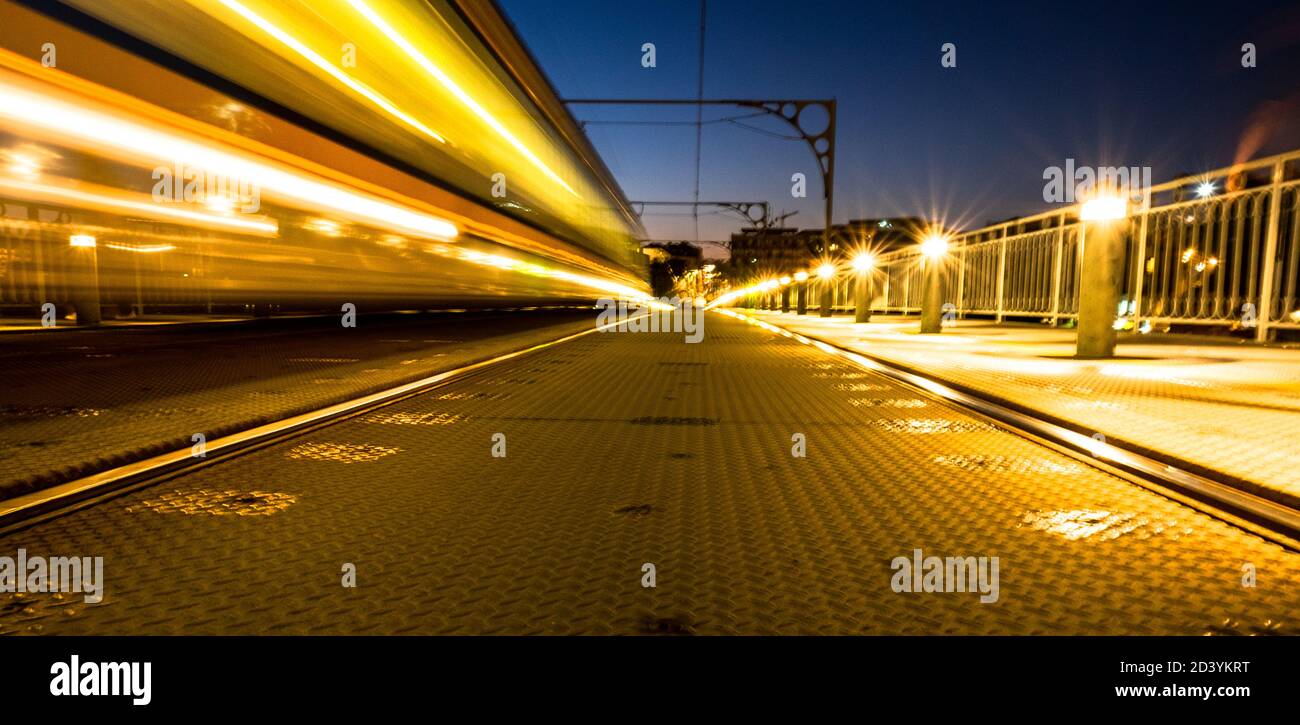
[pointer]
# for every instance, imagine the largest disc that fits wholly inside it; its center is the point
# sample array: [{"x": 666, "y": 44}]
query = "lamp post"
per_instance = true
[
  {"x": 827, "y": 274},
  {"x": 785, "y": 295},
  {"x": 1103, "y": 253},
  {"x": 863, "y": 264},
  {"x": 801, "y": 296},
  {"x": 933, "y": 250}
]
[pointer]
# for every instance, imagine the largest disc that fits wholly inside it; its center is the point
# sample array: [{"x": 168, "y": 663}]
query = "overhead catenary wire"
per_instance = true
[{"x": 699, "y": 117}]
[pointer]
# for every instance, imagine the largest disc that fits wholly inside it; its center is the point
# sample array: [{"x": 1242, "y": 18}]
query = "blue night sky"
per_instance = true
[{"x": 1121, "y": 84}]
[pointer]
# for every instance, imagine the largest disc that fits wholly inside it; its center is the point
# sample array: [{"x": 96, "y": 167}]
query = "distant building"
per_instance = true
[
  {"x": 763, "y": 252},
  {"x": 882, "y": 235}
]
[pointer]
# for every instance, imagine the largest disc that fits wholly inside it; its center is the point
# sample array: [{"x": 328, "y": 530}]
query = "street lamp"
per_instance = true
[
  {"x": 934, "y": 247},
  {"x": 801, "y": 294},
  {"x": 785, "y": 293},
  {"x": 863, "y": 264},
  {"x": 1102, "y": 241},
  {"x": 827, "y": 273},
  {"x": 772, "y": 297}
]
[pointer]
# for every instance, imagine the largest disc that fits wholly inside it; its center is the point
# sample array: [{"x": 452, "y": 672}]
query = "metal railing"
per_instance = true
[{"x": 1231, "y": 257}]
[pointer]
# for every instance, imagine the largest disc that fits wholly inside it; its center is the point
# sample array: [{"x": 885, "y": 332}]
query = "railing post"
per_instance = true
[
  {"x": 1270, "y": 255},
  {"x": 886, "y": 293},
  {"x": 1058, "y": 256},
  {"x": 1002, "y": 272},
  {"x": 961, "y": 281},
  {"x": 1140, "y": 261},
  {"x": 907, "y": 291}
]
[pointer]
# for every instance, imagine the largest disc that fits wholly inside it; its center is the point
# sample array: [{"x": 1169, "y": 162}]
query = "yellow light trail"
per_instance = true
[
  {"x": 142, "y": 249},
  {"x": 142, "y": 143},
  {"x": 451, "y": 85},
  {"x": 733, "y": 295},
  {"x": 614, "y": 288},
  {"x": 315, "y": 58},
  {"x": 140, "y": 204}
]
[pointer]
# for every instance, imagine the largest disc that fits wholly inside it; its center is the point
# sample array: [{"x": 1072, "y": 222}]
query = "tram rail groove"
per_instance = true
[
  {"x": 1223, "y": 499},
  {"x": 33, "y": 508}
]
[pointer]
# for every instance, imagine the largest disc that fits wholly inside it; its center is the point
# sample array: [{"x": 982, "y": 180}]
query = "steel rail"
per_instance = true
[{"x": 28, "y": 509}]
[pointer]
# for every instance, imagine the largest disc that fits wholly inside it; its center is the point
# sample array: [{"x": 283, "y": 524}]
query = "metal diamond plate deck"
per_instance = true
[{"x": 609, "y": 465}]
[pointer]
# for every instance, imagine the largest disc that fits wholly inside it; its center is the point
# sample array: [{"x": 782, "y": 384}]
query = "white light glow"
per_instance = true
[
  {"x": 1103, "y": 208},
  {"x": 934, "y": 246},
  {"x": 325, "y": 226},
  {"x": 23, "y": 166},
  {"x": 141, "y": 249}
]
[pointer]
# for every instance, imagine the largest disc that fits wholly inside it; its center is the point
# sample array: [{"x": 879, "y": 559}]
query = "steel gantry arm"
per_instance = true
[
  {"x": 745, "y": 209},
  {"x": 822, "y": 143}
]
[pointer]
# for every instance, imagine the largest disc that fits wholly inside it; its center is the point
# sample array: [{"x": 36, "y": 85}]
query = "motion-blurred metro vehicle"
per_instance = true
[{"x": 218, "y": 154}]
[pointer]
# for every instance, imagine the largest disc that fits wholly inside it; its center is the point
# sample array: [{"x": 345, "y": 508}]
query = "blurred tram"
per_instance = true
[{"x": 210, "y": 155}]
